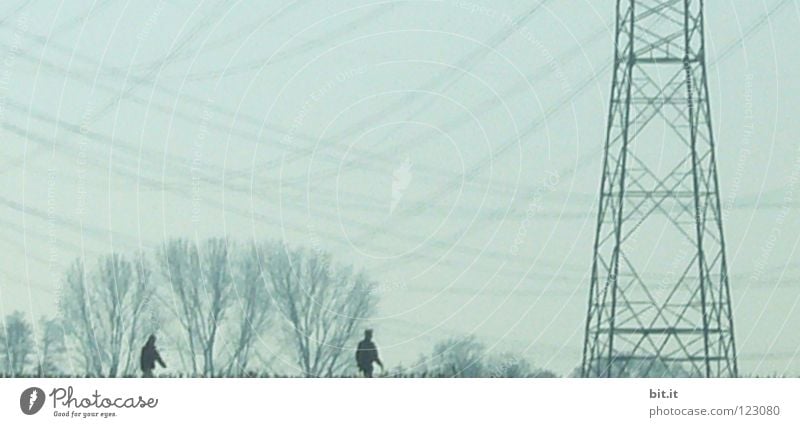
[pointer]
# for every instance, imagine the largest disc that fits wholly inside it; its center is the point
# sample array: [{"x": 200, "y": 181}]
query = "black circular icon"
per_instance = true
[{"x": 31, "y": 400}]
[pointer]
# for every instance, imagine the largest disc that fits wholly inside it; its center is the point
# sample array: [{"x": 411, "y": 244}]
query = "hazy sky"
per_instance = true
[{"x": 450, "y": 148}]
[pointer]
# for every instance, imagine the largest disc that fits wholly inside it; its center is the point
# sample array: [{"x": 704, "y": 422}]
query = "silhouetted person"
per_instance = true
[
  {"x": 149, "y": 358},
  {"x": 367, "y": 354}
]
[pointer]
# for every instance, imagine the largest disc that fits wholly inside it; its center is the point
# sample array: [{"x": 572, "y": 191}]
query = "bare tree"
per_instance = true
[
  {"x": 51, "y": 349},
  {"x": 466, "y": 356},
  {"x": 323, "y": 307},
  {"x": 461, "y": 356},
  {"x": 200, "y": 281},
  {"x": 253, "y": 306},
  {"x": 103, "y": 312},
  {"x": 16, "y": 344},
  {"x": 75, "y": 304},
  {"x": 510, "y": 365}
]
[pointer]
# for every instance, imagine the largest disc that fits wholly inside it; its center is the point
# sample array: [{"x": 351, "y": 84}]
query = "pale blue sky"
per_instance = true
[{"x": 128, "y": 122}]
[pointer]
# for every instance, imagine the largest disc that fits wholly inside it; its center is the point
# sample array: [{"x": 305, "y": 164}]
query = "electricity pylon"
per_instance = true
[{"x": 659, "y": 303}]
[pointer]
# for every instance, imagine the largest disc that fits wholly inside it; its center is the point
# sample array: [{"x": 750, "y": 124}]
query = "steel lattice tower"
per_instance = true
[{"x": 659, "y": 302}]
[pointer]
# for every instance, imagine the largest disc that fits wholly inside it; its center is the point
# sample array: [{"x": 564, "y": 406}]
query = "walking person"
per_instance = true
[
  {"x": 149, "y": 358},
  {"x": 367, "y": 354}
]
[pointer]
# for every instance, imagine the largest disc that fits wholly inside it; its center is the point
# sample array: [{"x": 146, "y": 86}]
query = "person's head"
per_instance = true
[
  {"x": 151, "y": 341},
  {"x": 368, "y": 334}
]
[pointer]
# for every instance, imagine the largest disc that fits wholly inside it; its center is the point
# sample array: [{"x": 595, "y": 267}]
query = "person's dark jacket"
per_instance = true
[
  {"x": 149, "y": 358},
  {"x": 366, "y": 355}
]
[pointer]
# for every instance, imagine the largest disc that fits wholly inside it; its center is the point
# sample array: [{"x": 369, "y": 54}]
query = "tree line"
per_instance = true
[{"x": 216, "y": 300}]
